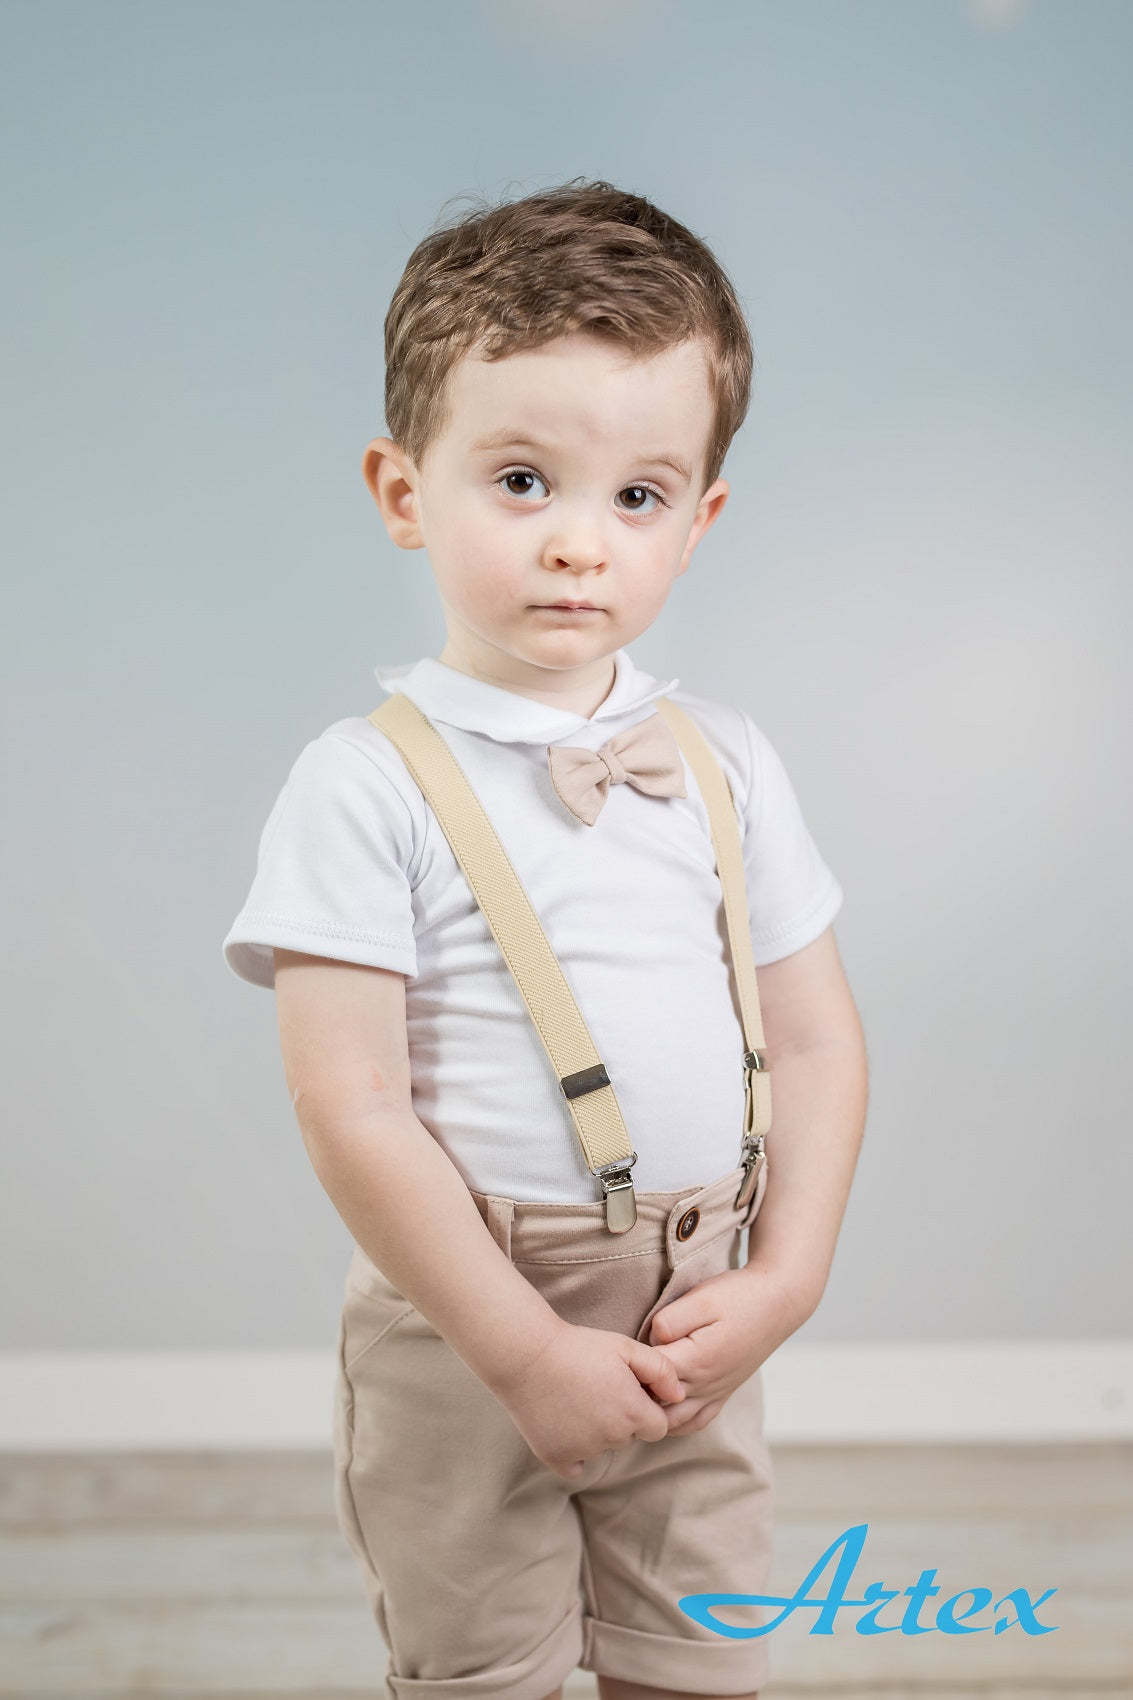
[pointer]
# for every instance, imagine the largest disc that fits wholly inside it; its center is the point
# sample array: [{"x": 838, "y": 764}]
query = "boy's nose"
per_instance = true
[{"x": 581, "y": 550}]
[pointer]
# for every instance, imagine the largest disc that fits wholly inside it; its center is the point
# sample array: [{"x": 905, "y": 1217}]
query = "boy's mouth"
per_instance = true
[{"x": 571, "y": 607}]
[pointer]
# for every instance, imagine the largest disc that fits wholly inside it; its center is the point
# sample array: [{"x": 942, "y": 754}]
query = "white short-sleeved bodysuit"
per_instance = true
[{"x": 353, "y": 865}]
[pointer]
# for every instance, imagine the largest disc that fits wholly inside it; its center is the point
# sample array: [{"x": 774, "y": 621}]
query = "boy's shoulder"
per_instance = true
[
  {"x": 723, "y": 720},
  {"x": 731, "y": 734},
  {"x": 355, "y": 739},
  {"x": 352, "y": 763}
]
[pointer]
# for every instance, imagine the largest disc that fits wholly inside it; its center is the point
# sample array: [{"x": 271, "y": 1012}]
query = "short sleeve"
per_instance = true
[
  {"x": 792, "y": 894},
  {"x": 332, "y": 869}
]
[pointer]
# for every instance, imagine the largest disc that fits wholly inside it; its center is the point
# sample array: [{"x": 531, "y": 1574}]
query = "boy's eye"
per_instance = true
[
  {"x": 640, "y": 491},
  {"x": 523, "y": 475},
  {"x": 509, "y": 479}
]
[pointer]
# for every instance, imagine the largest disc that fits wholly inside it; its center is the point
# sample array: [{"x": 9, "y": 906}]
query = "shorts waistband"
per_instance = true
[{"x": 679, "y": 1224}]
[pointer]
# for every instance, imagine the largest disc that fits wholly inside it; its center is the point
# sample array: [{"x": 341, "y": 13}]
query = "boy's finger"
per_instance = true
[
  {"x": 676, "y": 1321},
  {"x": 651, "y": 1366},
  {"x": 679, "y": 1355},
  {"x": 664, "y": 1327},
  {"x": 656, "y": 1428}
]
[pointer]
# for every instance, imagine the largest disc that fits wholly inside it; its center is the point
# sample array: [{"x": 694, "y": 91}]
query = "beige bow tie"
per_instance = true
[{"x": 647, "y": 756}]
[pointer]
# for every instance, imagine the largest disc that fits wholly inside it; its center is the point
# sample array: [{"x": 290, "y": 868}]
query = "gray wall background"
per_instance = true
[{"x": 920, "y": 588}]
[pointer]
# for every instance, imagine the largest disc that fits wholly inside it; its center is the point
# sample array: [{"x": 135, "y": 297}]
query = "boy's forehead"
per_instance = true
[{"x": 582, "y": 383}]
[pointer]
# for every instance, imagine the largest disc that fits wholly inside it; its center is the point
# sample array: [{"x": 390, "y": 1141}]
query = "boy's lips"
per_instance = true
[{"x": 571, "y": 607}]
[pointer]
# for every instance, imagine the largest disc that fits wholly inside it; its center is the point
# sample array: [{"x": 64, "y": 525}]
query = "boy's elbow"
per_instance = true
[
  {"x": 330, "y": 1118},
  {"x": 311, "y": 1114}
]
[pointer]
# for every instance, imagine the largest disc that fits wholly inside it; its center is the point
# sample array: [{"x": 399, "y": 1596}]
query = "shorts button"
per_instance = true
[{"x": 686, "y": 1227}]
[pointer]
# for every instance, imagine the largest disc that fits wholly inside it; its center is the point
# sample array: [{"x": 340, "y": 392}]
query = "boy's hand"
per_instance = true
[
  {"x": 588, "y": 1391},
  {"x": 719, "y": 1333}
]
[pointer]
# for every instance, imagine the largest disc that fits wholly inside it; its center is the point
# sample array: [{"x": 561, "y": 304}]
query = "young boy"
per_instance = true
[{"x": 548, "y": 1421}]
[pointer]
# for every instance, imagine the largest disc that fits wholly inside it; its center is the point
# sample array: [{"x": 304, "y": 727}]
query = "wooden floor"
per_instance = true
[{"x": 224, "y": 1575}]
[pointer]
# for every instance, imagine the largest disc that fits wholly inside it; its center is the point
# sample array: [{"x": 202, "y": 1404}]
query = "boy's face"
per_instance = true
[{"x": 549, "y": 484}]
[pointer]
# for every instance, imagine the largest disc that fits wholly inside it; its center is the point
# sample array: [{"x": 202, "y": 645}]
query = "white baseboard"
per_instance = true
[{"x": 1006, "y": 1390}]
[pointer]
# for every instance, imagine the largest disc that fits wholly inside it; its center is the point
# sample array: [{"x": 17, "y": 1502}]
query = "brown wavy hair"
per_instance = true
[{"x": 585, "y": 256}]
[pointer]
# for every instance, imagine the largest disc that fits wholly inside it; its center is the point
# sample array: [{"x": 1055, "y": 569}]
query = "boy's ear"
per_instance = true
[
  {"x": 708, "y": 511},
  {"x": 391, "y": 478}
]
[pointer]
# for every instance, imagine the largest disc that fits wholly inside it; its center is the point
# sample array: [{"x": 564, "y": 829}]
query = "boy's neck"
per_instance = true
[{"x": 577, "y": 690}]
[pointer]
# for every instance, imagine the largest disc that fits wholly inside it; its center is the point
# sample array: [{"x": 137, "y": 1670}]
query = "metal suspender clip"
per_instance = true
[
  {"x": 617, "y": 1187},
  {"x": 617, "y": 1190},
  {"x": 751, "y": 1156}
]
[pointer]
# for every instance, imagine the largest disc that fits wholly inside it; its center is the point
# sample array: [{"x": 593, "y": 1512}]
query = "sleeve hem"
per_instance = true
[
  {"x": 248, "y": 948},
  {"x": 785, "y": 941}
]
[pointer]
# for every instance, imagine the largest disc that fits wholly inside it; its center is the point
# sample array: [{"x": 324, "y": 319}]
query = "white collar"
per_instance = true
[{"x": 444, "y": 693}]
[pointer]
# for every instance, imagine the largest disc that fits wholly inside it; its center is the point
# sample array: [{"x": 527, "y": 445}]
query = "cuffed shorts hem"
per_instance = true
[
  {"x": 661, "y": 1661},
  {"x": 530, "y": 1678}
]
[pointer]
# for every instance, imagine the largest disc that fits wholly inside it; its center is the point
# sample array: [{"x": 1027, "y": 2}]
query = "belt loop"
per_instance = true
[
  {"x": 502, "y": 1217},
  {"x": 498, "y": 1214}
]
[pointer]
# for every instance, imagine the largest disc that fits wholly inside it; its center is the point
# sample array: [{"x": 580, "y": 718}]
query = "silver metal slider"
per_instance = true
[
  {"x": 585, "y": 1080},
  {"x": 617, "y": 1191}
]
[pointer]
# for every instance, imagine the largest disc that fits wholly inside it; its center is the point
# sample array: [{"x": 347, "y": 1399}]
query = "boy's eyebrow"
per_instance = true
[{"x": 515, "y": 440}]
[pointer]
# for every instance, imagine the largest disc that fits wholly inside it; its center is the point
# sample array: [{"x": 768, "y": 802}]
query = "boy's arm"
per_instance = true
[
  {"x": 819, "y": 1091},
  {"x": 720, "y": 1332},
  {"x": 346, "y": 1060}
]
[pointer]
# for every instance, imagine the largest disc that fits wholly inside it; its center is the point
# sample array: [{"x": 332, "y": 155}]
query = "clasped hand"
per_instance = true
[
  {"x": 587, "y": 1391},
  {"x": 718, "y": 1334}
]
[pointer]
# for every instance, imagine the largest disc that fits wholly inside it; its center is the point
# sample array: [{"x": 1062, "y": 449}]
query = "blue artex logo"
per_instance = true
[{"x": 949, "y": 1618}]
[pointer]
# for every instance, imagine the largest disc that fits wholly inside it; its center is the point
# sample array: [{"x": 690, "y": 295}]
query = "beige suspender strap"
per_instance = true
[
  {"x": 520, "y": 936},
  {"x": 516, "y": 927},
  {"x": 730, "y": 865}
]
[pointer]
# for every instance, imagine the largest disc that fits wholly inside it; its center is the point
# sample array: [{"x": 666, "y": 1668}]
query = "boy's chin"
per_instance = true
[{"x": 567, "y": 658}]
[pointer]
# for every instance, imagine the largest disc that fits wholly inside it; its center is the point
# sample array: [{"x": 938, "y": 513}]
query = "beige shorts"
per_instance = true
[{"x": 487, "y": 1574}]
